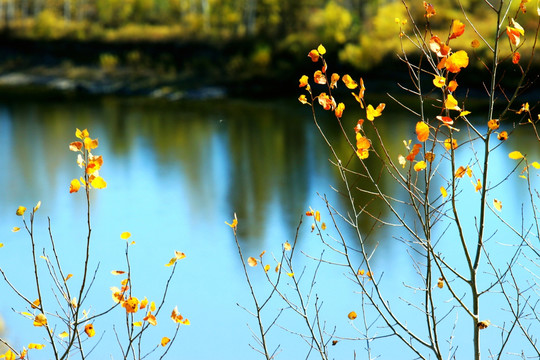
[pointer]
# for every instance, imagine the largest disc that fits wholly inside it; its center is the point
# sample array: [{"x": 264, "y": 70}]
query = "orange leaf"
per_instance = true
[
  {"x": 439, "y": 81},
  {"x": 440, "y": 283},
  {"x": 503, "y": 135},
  {"x": 150, "y": 318},
  {"x": 35, "y": 304},
  {"x": 414, "y": 152},
  {"x": 252, "y": 261},
  {"x": 90, "y": 144},
  {"x": 89, "y": 330},
  {"x": 430, "y": 10},
  {"x": 303, "y": 99},
  {"x": 352, "y": 315},
  {"x": 76, "y": 146},
  {"x": 118, "y": 272},
  {"x": 478, "y": 186},
  {"x": 516, "y": 57},
  {"x": 40, "y": 320},
  {"x": 458, "y": 28},
  {"x": 287, "y": 246},
  {"x": 314, "y": 55},
  {"x": 333, "y": 80},
  {"x": 460, "y": 172},
  {"x": 422, "y": 131},
  {"x": 493, "y": 124},
  {"x": 452, "y": 85},
  {"x": 319, "y": 77},
  {"x": 483, "y": 324},
  {"x": 164, "y": 341},
  {"x": 438, "y": 46},
  {"x": 303, "y": 81},
  {"x": 131, "y": 305},
  {"x": 339, "y": 110},
  {"x": 457, "y": 61}
]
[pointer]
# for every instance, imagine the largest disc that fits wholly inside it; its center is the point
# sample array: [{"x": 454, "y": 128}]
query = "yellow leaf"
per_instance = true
[
  {"x": 439, "y": 81},
  {"x": 151, "y": 319},
  {"x": 90, "y": 144},
  {"x": 179, "y": 255},
  {"x": 321, "y": 49},
  {"x": 35, "y": 304},
  {"x": 303, "y": 81},
  {"x": 89, "y": 330},
  {"x": 98, "y": 183},
  {"x": 81, "y": 134},
  {"x": 448, "y": 146},
  {"x": 171, "y": 262},
  {"x": 15, "y": 229},
  {"x": 63, "y": 335},
  {"x": 44, "y": 257},
  {"x": 74, "y": 186},
  {"x": 372, "y": 113},
  {"x": 493, "y": 124},
  {"x": 8, "y": 355},
  {"x": 152, "y": 306},
  {"x": 35, "y": 346},
  {"x": 291, "y": 274},
  {"x": 266, "y": 267},
  {"x": 131, "y": 305},
  {"x": 515, "y": 155},
  {"x": 117, "y": 272},
  {"x": 20, "y": 211},
  {"x": 1, "y": 245},
  {"x": 278, "y": 266},
  {"x": 69, "y": 276},
  {"x": 419, "y": 166},
  {"x": 497, "y": 204},
  {"x": 451, "y": 103},
  {"x": 252, "y": 261},
  {"x": 323, "y": 226},
  {"x": 164, "y": 341},
  {"x": 443, "y": 192},
  {"x": 137, "y": 323},
  {"x": 535, "y": 165},
  {"x": 464, "y": 113},
  {"x": 317, "y": 216},
  {"x": 234, "y": 223},
  {"x": 144, "y": 302},
  {"x": 287, "y": 246},
  {"x": 458, "y": 60},
  {"x": 40, "y": 320},
  {"x": 38, "y": 205},
  {"x": 349, "y": 82},
  {"x": 352, "y": 315},
  {"x": 125, "y": 235},
  {"x": 440, "y": 283},
  {"x": 422, "y": 131},
  {"x": 478, "y": 186}
]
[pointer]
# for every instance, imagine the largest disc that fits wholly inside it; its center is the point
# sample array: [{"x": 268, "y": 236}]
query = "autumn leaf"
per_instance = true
[
  {"x": 333, "y": 80},
  {"x": 419, "y": 166},
  {"x": 40, "y": 320},
  {"x": 438, "y": 46},
  {"x": 76, "y": 146},
  {"x": 63, "y": 335},
  {"x": 450, "y": 144},
  {"x": 20, "y": 211},
  {"x": 478, "y": 186},
  {"x": 131, "y": 305},
  {"x": 74, "y": 186},
  {"x": 516, "y": 57},
  {"x": 151, "y": 319},
  {"x": 372, "y": 113},
  {"x": 443, "y": 192},
  {"x": 303, "y": 81},
  {"x": 118, "y": 272},
  {"x": 234, "y": 223},
  {"x": 177, "y": 318},
  {"x": 266, "y": 267},
  {"x": 440, "y": 283},
  {"x": 475, "y": 43},
  {"x": 68, "y": 276},
  {"x": 493, "y": 124},
  {"x": 327, "y": 102},
  {"x": 81, "y": 134},
  {"x": 323, "y": 226},
  {"x": 252, "y": 261},
  {"x": 460, "y": 172},
  {"x": 319, "y": 77},
  {"x": 515, "y": 155},
  {"x": 8, "y": 355},
  {"x": 422, "y": 131},
  {"x": 317, "y": 216},
  {"x": 89, "y": 330},
  {"x": 349, "y": 82},
  {"x": 452, "y": 85},
  {"x": 90, "y": 144},
  {"x": 451, "y": 103},
  {"x": 415, "y": 150},
  {"x": 497, "y": 204},
  {"x": 439, "y": 81},
  {"x": 15, "y": 229},
  {"x": 483, "y": 324},
  {"x": 321, "y": 49},
  {"x": 352, "y": 315},
  {"x": 98, "y": 183},
  {"x": 303, "y": 99},
  {"x": 35, "y": 304},
  {"x": 165, "y": 340},
  {"x": 314, "y": 55},
  {"x": 430, "y": 10},
  {"x": 458, "y": 28},
  {"x": 503, "y": 135},
  {"x": 339, "y": 110},
  {"x": 287, "y": 246},
  {"x": 457, "y": 61}
]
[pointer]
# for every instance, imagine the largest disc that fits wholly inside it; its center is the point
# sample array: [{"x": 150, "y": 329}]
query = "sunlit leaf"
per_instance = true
[
  {"x": 402, "y": 161},
  {"x": 290, "y": 274},
  {"x": 497, "y": 204},
  {"x": 321, "y": 49},
  {"x": 68, "y": 276},
  {"x": 137, "y": 323},
  {"x": 150, "y": 318},
  {"x": 457, "y": 61},
  {"x": 493, "y": 124},
  {"x": 40, "y": 320},
  {"x": 20, "y": 211},
  {"x": 131, "y": 305},
  {"x": 438, "y": 46},
  {"x": 323, "y": 226},
  {"x": 452, "y": 85},
  {"x": 63, "y": 335},
  {"x": 179, "y": 255},
  {"x": 333, "y": 80},
  {"x": 90, "y": 144},
  {"x": 278, "y": 266},
  {"x": 415, "y": 150},
  {"x": 419, "y": 166},
  {"x": 326, "y": 101},
  {"x": 303, "y": 81},
  {"x": 89, "y": 330},
  {"x": 287, "y": 246},
  {"x": 535, "y": 165},
  {"x": 339, "y": 110},
  {"x": 314, "y": 55},
  {"x": 464, "y": 113},
  {"x": 15, "y": 229},
  {"x": 98, "y": 183},
  {"x": 8, "y": 355},
  {"x": 74, "y": 186},
  {"x": 349, "y": 82},
  {"x": 503, "y": 135},
  {"x": 483, "y": 324},
  {"x": 443, "y": 192},
  {"x": 439, "y": 81},
  {"x": 152, "y": 306},
  {"x": 35, "y": 304},
  {"x": 440, "y": 283},
  {"x": 177, "y": 318},
  {"x": 458, "y": 28},
  {"x": 422, "y": 131},
  {"x": 266, "y": 267},
  {"x": 460, "y": 172},
  {"x": 317, "y": 216},
  {"x": 361, "y": 272},
  {"x": 252, "y": 261},
  {"x": 352, "y": 315},
  {"x": 319, "y": 77},
  {"x": 144, "y": 303},
  {"x": 125, "y": 235},
  {"x": 303, "y": 99},
  {"x": 35, "y": 346},
  {"x": 117, "y": 272},
  {"x": 450, "y": 144},
  {"x": 165, "y": 340},
  {"x": 76, "y": 146},
  {"x": 475, "y": 43},
  {"x": 372, "y": 113},
  {"x": 451, "y": 103},
  {"x": 234, "y": 223},
  {"x": 515, "y": 155},
  {"x": 171, "y": 262},
  {"x": 81, "y": 134},
  {"x": 478, "y": 186},
  {"x": 1, "y": 245}
]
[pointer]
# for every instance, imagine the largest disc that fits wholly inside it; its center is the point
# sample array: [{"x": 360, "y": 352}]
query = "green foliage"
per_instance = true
[
  {"x": 108, "y": 62},
  {"x": 48, "y": 25}
]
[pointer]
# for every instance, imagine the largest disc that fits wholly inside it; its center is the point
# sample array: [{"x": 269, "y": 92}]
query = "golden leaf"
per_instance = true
[
  {"x": 515, "y": 155},
  {"x": 422, "y": 131},
  {"x": 287, "y": 246},
  {"x": 352, "y": 315},
  {"x": 252, "y": 261},
  {"x": 483, "y": 324},
  {"x": 419, "y": 166},
  {"x": 497, "y": 204},
  {"x": 40, "y": 320},
  {"x": 89, "y": 330},
  {"x": 165, "y": 340},
  {"x": 20, "y": 211},
  {"x": 125, "y": 235},
  {"x": 15, "y": 229},
  {"x": 443, "y": 192}
]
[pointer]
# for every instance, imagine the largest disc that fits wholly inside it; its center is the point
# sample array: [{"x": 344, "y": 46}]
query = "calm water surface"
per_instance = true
[{"x": 176, "y": 173}]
